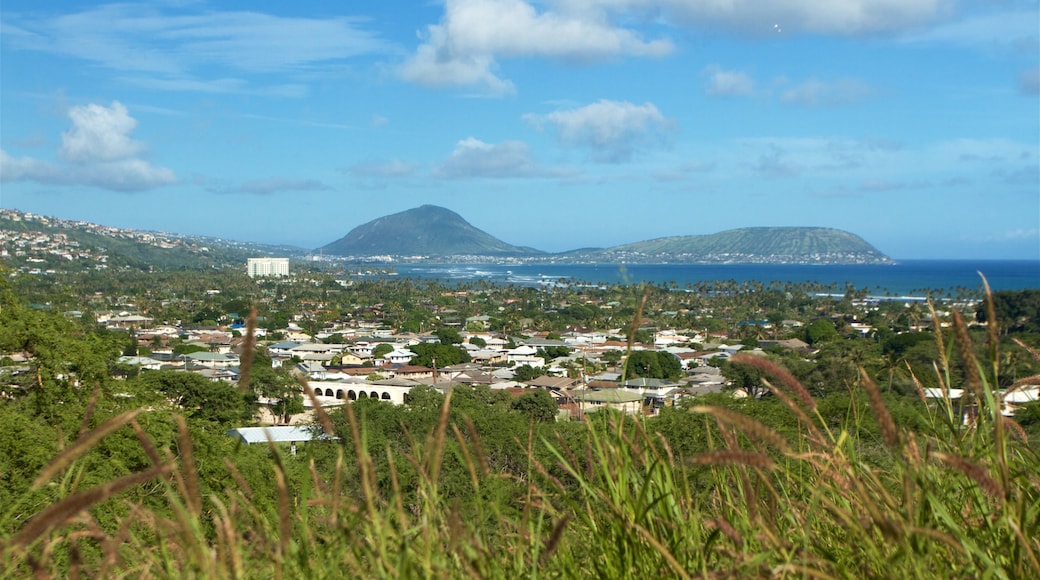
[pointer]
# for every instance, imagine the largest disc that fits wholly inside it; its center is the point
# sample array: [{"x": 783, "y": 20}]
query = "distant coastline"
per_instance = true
[{"x": 904, "y": 278}]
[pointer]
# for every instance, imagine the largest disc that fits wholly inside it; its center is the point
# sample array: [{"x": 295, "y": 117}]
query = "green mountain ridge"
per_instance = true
[
  {"x": 428, "y": 230},
  {"x": 426, "y": 233},
  {"x": 745, "y": 245},
  {"x": 435, "y": 232}
]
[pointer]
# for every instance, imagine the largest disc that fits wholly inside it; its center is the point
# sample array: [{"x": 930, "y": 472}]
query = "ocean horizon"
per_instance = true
[{"x": 910, "y": 278}]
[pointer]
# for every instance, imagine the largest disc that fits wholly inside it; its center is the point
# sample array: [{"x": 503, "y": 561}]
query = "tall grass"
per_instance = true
[{"x": 957, "y": 499}]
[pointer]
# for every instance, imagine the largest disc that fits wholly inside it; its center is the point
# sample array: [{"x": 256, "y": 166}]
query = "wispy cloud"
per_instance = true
[
  {"x": 168, "y": 48},
  {"x": 1029, "y": 81},
  {"x": 392, "y": 168},
  {"x": 97, "y": 151},
  {"x": 684, "y": 171},
  {"x": 475, "y": 158},
  {"x": 728, "y": 83},
  {"x": 834, "y": 17},
  {"x": 273, "y": 185},
  {"x": 611, "y": 130},
  {"x": 816, "y": 93},
  {"x": 1012, "y": 29},
  {"x": 775, "y": 163}
]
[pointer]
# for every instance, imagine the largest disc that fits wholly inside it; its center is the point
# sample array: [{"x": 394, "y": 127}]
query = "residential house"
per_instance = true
[
  {"x": 524, "y": 355},
  {"x": 212, "y": 360},
  {"x": 623, "y": 400},
  {"x": 397, "y": 357},
  {"x": 313, "y": 370}
]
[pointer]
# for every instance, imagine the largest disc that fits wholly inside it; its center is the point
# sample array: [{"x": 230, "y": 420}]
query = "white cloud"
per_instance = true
[
  {"x": 463, "y": 49},
  {"x": 613, "y": 130},
  {"x": 98, "y": 151},
  {"x": 392, "y": 168},
  {"x": 475, "y": 158},
  {"x": 23, "y": 168},
  {"x": 817, "y": 93},
  {"x": 271, "y": 185},
  {"x": 100, "y": 133},
  {"x": 171, "y": 48},
  {"x": 725, "y": 83}
]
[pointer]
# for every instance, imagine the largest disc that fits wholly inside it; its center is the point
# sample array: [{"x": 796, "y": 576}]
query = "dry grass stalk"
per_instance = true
[
  {"x": 726, "y": 528},
  {"x": 191, "y": 475},
  {"x": 69, "y": 508},
  {"x": 554, "y": 540},
  {"x": 227, "y": 541},
  {"x": 734, "y": 458},
  {"x": 992, "y": 329},
  {"x": 888, "y": 427},
  {"x": 1015, "y": 428},
  {"x": 243, "y": 485},
  {"x": 778, "y": 372},
  {"x": 814, "y": 433},
  {"x": 146, "y": 443},
  {"x": 747, "y": 425},
  {"x": 1021, "y": 383},
  {"x": 1032, "y": 351},
  {"x": 970, "y": 364},
  {"x": 937, "y": 333},
  {"x": 88, "y": 414},
  {"x": 319, "y": 412},
  {"x": 248, "y": 346},
  {"x": 81, "y": 446},
  {"x": 974, "y": 471},
  {"x": 917, "y": 382}
]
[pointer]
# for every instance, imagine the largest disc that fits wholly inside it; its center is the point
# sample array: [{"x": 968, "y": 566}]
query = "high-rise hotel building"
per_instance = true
[{"x": 259, "y": 267}]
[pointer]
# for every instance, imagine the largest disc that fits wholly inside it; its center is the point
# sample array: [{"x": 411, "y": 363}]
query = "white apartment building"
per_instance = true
[{"x": 259, "y": 267}]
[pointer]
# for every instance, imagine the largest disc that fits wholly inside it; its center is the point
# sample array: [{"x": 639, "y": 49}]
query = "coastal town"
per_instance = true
[{"x": 579, "y": 345}]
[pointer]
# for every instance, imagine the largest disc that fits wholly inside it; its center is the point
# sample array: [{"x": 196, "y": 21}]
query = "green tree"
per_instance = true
[
  {"x": 524, "y": 373},
  {"x": 537, "y": 404},
  {"x": 653, "y": 364},
  {"x": 443, "y": 354},
  {"x": 448, "y": 335},
  {"x": 202, "y": 398},
  {"x": 1016, "y": 310},
  {"x": 820, "y": 330},
  {"x": 611, "y": 357},
  {"x": 382, "y": 349}
]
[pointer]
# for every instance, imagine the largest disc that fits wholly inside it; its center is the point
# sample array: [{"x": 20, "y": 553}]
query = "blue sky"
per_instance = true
[{"x": 912, "y": 123}]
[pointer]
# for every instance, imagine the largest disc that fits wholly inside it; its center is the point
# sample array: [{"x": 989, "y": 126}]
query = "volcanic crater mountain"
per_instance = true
[
  {"x": 435, "y": 232},
  {"x": 428, "y": 230}
]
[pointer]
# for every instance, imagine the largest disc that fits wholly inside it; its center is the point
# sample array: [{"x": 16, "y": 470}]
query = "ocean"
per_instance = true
[{"x": 913, "y": 278}]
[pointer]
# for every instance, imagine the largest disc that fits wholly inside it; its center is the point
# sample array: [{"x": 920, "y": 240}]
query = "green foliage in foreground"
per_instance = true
[{"x": 854, "y": 484}]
